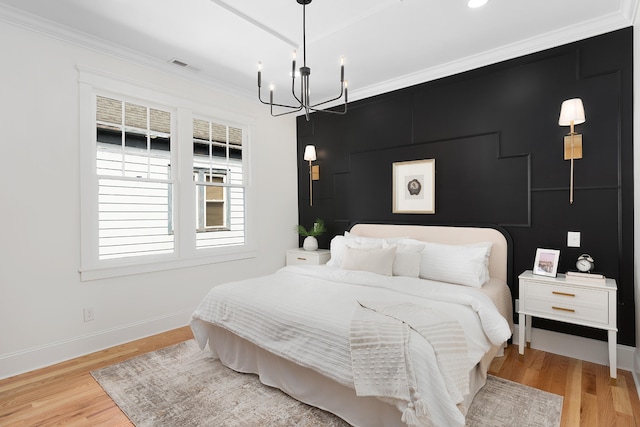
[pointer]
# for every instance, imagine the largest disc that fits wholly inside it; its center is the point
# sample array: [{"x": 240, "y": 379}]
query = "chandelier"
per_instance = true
[{"x": 303, "y": 97}]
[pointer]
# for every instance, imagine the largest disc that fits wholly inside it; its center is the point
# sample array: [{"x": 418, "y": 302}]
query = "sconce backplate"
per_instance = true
[{"x": 576, "y": 139}]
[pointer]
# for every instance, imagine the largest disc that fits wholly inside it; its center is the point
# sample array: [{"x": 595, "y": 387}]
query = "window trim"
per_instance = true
[{"x": 96, "y": 82}]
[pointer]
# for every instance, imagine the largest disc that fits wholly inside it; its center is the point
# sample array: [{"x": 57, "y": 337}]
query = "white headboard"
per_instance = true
[{"x": 451, "y": 235}]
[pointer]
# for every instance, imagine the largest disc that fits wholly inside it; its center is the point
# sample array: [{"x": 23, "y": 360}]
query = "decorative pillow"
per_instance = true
[
  {"x": 407, "y": 260},
  {"x": 378, "y": 261},
  {"x": 460, "y": 264},
  {"x": 339, "y": 243}
]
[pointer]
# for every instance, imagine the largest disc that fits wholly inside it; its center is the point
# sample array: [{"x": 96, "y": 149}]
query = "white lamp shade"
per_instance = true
[
  {"x": 572, "y": 110},
  {"x": 310, "y": 153}
]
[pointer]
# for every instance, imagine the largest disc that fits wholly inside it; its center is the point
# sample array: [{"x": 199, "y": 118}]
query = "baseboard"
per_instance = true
[
  {"x": 39, "y": 357},
  {"x": 636, "y": 369},
  {"x": 586, "y": 349}
]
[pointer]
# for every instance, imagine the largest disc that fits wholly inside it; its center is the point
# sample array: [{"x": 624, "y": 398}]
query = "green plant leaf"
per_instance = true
[{"x": 316, "y": 229}]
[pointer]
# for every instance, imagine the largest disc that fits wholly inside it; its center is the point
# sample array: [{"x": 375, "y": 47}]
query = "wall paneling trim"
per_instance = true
[{"x": 499, "y": 159}]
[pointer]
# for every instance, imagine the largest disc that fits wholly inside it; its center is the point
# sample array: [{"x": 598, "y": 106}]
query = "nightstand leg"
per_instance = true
[
  {"x": 521, "y": 335},
  {"x": 613, "y": 363},
  {"x": 528, "y": 336}
]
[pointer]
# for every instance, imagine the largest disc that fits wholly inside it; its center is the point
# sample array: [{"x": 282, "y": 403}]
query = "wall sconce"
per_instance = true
[
  {"x": 572, "y": 113},
  {"x": 314, "y": 171}
]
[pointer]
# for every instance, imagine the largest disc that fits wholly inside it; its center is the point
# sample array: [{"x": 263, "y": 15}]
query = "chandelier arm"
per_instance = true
[
  {"x": 293, "y": 90},
  {"x": 286, "y": 112},
  {"x": 295, "y": 108},
  {"x": 331, "y": 111},
  {"x": 298, "y": 108},
  {"x": 304, "y": 92},
  {"x": 328, "y": 100},
  {"x": 260, "y": 97}
]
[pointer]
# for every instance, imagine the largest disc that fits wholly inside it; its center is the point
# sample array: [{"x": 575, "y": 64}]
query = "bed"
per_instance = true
[{"x": 399, "y": 328}]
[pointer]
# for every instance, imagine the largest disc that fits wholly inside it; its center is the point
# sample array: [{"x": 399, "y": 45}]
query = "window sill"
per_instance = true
[{"x": 90, "y": 274}]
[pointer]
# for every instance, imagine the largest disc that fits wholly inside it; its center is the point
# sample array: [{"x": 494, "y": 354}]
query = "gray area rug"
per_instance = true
[{"x": 184, "y": 386}]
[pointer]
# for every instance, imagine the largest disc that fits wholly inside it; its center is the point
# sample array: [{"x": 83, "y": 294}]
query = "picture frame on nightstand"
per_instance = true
[{"x": 546, "y": 262}]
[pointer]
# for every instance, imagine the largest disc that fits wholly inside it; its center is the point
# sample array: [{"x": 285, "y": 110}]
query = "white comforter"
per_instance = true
[{"x": 303, "y": 314}]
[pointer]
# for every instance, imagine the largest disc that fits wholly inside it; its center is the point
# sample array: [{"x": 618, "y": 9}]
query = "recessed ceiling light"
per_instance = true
[{"x": 477, "y": 3}]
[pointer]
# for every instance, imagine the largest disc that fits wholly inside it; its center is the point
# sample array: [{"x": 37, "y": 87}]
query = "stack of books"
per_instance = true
[{"x": 592, "y": 278}]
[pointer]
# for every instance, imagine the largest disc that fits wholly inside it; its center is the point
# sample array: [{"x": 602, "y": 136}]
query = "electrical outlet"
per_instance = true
[
  {"x": 517, "y": 305},
  {"x": 89, "y": 314}
]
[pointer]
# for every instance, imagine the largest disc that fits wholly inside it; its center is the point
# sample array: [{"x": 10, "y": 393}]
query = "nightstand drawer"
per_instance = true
[
  {"x": 567, "y": 310},
  {"x": 301, "y": 257},
  {"x": 571, "y": 295}
]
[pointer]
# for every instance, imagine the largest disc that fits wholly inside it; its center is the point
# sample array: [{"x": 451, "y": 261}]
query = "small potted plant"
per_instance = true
[{"x": 310, "y": 242}]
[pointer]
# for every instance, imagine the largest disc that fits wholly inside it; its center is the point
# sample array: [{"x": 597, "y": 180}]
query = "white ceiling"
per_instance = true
[{"x": 387, "y": 44}]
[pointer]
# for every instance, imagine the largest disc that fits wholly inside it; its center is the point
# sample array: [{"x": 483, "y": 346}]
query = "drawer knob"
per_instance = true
[
  {"x": 301, "y": 259},
  {"x": 563, "y": 294},
  {"x": 563, "y": 309}
]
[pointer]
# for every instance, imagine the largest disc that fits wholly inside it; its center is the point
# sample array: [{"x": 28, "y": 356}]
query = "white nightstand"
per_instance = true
[
  {"x": 566, "y": 300},
  {"x": 300, "y": 256}
]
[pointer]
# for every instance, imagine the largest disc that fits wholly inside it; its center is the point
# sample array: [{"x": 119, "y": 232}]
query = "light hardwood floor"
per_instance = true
[{"x": 66, "y": 393}]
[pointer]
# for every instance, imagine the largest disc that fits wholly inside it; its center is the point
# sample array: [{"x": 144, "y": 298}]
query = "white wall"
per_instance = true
[{"x": 41, "y": 296}]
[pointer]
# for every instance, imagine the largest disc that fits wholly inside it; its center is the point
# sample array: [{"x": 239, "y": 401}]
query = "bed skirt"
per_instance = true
[{"x": 307, "y": 385}]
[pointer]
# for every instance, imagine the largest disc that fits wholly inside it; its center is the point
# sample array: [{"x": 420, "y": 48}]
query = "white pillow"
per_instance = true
[
  {"x": 460, "y": 264},
  {"x": 409, "y": 241},
  {"x": 487, "y": 246},
  {"x": 407, "y": 260},
  {"x": 378, "y": 261},
  {"x": 367, "y": 241},
  {"x": 339, "y": 243}
]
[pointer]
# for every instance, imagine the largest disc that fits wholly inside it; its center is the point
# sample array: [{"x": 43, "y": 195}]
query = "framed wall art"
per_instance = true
[
  {"x": 546, "y": 262},
  {"x": 414, "y": 189}
]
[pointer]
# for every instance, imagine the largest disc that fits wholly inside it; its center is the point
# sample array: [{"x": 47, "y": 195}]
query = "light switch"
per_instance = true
[{"x": 573, "y": 239}]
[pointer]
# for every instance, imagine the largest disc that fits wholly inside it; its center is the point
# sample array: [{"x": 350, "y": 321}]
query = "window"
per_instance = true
[
  {"x": 162, "y": 184},
  {"x": 218, "y": 173},
  {"x": 133, "y": 165},
  {"x": 211, "y": 206}
]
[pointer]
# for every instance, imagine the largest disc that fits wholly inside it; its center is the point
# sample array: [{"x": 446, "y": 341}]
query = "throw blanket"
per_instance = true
[{"x": 382, "y": 367}]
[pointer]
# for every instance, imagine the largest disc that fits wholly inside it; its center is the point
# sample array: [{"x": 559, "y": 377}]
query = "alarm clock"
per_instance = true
[{"x": 585, "y": 263}]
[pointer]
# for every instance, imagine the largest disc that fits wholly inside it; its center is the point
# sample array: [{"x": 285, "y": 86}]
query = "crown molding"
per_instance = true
[
  {"x": 628, "y": 9},
  {"x": 623, "y": 18},
  {"x": 65, "y": 34},
  {"x": 549, "y": 40}
]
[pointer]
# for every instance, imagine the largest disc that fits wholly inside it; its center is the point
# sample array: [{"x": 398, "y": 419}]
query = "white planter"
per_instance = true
[{"x": 310, "y": 244}]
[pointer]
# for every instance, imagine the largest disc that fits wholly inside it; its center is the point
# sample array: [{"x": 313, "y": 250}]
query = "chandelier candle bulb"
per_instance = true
[
  {"x": 293, "y": 65},
  {"x": 259, "y": 74}
]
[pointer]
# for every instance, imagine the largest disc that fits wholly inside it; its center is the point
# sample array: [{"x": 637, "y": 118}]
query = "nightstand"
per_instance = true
[
  {"x": 571, "y": 301},
  {"x": 300, "y": 256}
]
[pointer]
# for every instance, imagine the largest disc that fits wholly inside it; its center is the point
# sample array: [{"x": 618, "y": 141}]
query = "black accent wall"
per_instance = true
[{"x": 499, "y": 159}]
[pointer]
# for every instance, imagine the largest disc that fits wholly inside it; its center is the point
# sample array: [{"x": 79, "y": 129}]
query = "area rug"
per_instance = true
[{"x": 184, "y": 386}]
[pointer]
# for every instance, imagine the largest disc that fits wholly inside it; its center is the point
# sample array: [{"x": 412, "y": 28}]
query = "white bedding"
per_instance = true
[{"x": 309, "y": 313}]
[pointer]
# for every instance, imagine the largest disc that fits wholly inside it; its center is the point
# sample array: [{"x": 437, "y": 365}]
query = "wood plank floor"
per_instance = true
[
  {"x": 66, "y": 393},
  {"x": 589, "y": 397}
]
